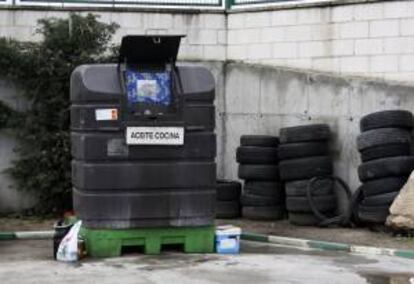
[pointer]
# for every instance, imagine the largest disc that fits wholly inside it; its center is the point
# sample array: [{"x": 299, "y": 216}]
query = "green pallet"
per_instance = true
[{"x": 109, "y": 243}]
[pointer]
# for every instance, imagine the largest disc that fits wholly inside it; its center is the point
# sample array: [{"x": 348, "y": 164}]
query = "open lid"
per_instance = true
[{"x": 149, "y": 49}]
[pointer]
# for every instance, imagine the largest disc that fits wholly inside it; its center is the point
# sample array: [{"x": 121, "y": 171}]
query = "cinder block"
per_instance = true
[
  {"x": 353, "y": 30},
  {"x": 284, "y": 18},
  {"x": 202, "y": 37},
  {"x": 236, "y": 21},
  {"x": 259, "y": 51},
  {"x": 285, "y": 50},
  {"x": 273, "y": 34},
  {"x": 236, "y": 52},
  {"x": 313, "y": 49},
  {"x": 158, "y": 21},
  {"x": 214, "y": 21},
  {"x": 398, "y": 9},
  {"x": 137, "y": 20},
  {"x": 222, "y": 37},
  {"x": 185, "y": 21},
  {"x": 384, "y": 63},
  {"x": 407, "y": 63},
  {"x": 25, "y": 18},
  {"x": 407, "y": 26},
  {"x": 191, "y": 52},
  {"x": 369, "y": 46},
  {"x": 399, "y": 45},
  {"x": 311, "y": 16},
  {"x": 369, "y": 11},
  {"x": 257, "y": 20},
  {"x": 323, "y": 32},
  {"x": 342, "y": 13},
  {"x": 341, "y": 47},
  {"x": 329, "y": 64},
  {"x": 384, "y": 28},
  {"x": 214, "y": 52},
  {"x": 298, "y": 33},
  {"x": 355, "y": 64}
]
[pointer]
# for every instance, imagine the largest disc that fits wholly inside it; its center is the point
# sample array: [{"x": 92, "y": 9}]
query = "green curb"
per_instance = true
[
  {"x": 29, "y": 235},
  {"x": 331, "y": 246},
  {"x": 6, "y": 236}
]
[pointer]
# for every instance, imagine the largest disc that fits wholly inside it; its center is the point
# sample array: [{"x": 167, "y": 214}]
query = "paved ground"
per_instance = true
[
  {"x": 357, "y": 236},
  {"x": 30, "y": 262}
]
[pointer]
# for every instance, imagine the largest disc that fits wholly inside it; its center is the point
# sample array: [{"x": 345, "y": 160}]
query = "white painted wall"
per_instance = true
[{"x": 370, "y": 40}]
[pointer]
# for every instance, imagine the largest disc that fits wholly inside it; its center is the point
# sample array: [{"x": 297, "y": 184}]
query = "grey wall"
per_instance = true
[
  {"x": 261, "y": 100},
  {"x": 253, "y": 99}
]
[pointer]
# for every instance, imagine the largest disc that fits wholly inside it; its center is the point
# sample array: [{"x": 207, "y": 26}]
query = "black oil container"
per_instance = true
[{"x": 143, "y": 141}]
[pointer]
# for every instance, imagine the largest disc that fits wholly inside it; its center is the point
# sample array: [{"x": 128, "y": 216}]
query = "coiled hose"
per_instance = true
[{"x": 343, "y": 219}]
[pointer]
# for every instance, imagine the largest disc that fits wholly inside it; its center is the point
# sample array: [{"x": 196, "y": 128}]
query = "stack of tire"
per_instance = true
[
  {"x": 263, "y": 197},
  {"x": 228, "y": 199},
  {"x": 385, "y": 147},
  {"x": 304, "y": 154}
]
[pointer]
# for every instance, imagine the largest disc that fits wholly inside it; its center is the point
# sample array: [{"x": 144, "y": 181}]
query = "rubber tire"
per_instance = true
[
  {"x": 383, "y": 185},
  {"x": 259, "y": 140},
  {"x": 380, "y": 199},
  {"x": 301, "y": 204},
  {"x": 383, "y": 136},
  {"x": 259, "y": 172},
  {"x": 263, "y": 213},
  {"x": 263, "y": 188},
  {"x": 303, "y": 219},
  {"x": 227, "y": 209},
  {"x": 386, "y": 167},
  {"x": 387, "y": 118},
  {"x": 373, "y": 214},
  {"x": 299, "y": 187},
  {"x": 391, "y": 150},
  {"x": 305, "y": 168},
  {"x": 304, "y": 133},
  {"x": 256, "y": 155},
  {"x": 259, "y": 201},
  {"x": 228, "y": 190},
  {"x": 302, "y": 149}
]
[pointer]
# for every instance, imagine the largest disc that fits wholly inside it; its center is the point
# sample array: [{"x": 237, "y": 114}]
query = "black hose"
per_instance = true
[{"x": 342, "y": 219}]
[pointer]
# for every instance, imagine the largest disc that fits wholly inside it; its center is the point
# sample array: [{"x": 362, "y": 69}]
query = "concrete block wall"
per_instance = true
[
  {"x": 261, "y": 100},
  {"x": 206, "y": 32},
  {"x": 368, "y": 39}
]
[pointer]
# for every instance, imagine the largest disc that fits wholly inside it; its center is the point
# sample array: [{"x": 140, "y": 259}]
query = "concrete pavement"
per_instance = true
[{"x": 31, "y": 262}]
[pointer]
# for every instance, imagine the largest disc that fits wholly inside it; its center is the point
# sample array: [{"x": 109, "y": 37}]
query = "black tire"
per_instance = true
[
  {"x": 305, "y": 168},
  {"x": 228, "y": 190},
  {"x": 259, "y": 201},
  {"x": 301, "y": 204},
  {"x": 387, "y": 118},
  {"x": 303, "y": 149},
  {"x": 386, "y": 167},
  {"x": 380, "y": 199},
  {"x": 383, "y": 185},
  {"x": 256, "y": 155},
  {"x": 383, "y": 136},
  {"x": 263, "y": 188},
  {"x": 304, "y": 133},
  {"x": 263, "y": 213},
  {"x": 259, "y": 140},
  {"x": 392, "y": 150},
  {"x": 373, "y": 214},
  {"x": 299, "y": 187},
  {"x": 259, "y": 172},
  {"x": 227, "y": 209},
  {"x": 303, "y": 219}
]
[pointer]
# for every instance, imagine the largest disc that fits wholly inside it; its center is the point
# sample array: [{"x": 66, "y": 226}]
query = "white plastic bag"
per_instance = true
[{"x": 68, "y": 247}]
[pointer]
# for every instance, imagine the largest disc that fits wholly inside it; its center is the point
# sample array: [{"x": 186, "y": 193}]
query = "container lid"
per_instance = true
[
  {"x": 149, "y": 49},
  {"x": 227, "y": 230}
]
